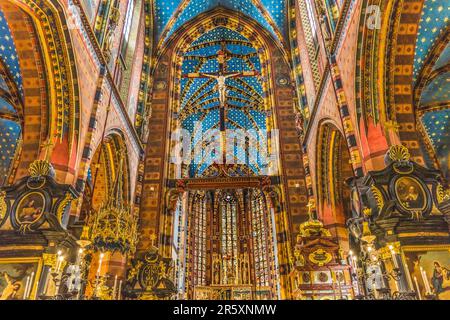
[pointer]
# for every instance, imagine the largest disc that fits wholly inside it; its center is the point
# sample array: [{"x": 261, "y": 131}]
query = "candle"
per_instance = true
[
  {"x": 425, "y": 281},
  {"x": 120, "y": 290},
  {"x": 100, "y": 263},
  {"x": 30, "y": 287},
  {"x": 26, "y": 288},
  {"x": 396, "y": 285},
  {"x": 418, "y": 289},
  {"x": 80, "y": 253},
  {"x": 59, "y": 264},
  {"x": 394, "y": 259},
  {"x": 114, "y": 288}
]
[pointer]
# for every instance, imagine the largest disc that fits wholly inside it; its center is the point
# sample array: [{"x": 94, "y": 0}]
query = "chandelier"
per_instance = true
[{"x": 114, "y": 226}]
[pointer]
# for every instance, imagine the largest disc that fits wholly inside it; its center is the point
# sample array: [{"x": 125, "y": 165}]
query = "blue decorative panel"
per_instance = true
[
  {"x": 8, "y": 53},
  {"x": 165, "y": 10},
  {"x": 9, "y": 134},
  {"x": 199, "y": 98},
  {"x": 437, "y": 125},
  {"x": 444, "y": 58},
  {"x": 6, "y": 108},
  {"x": 438, "y": 90},
  {"x": 433, "y": 21},
  {"x": 278, "y": 11}
]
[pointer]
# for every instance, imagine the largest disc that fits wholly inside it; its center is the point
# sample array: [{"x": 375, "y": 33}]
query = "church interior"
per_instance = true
[{"x": 224, "y": 150}]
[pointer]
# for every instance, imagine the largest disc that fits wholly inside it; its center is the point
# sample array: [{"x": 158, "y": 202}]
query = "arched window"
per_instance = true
[
  {"x": 179, "y": 246},
  {"x": 127, "y": 27},
  {"x": 199, "y": 224},
  {"x": 260, "y": 232},
  {"x": 312, "y": 23},
  {"x": 229, "y": 237}
]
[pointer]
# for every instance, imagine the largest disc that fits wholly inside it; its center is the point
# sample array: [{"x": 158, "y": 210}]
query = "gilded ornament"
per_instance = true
[
  {"x": 40, "y": 168},
  {"x": 378, "y": 196},
  {"x": 320, "y": 257},
  {"x": 63, "y": 205},
  {"x": 399, "y": 153},
  {"x": 115, "y": 226},
  {"x": 367, "y": 235},
  {"x": 442, "y": 194},
  {"x": 49, "y": 259},
  {"x": 367, "y": 212},
  {"x": 3, "y": 206}
]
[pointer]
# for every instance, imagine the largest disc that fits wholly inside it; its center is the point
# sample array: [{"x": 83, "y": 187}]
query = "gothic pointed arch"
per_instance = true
[
  {"x": 163, "y": 95},
  {"x": 50, "y": 93},
  {"x": 333, "y": 170}
]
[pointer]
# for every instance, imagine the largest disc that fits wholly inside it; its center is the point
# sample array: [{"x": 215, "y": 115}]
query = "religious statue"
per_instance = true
[
  {"x": 11, "y": 289},
  {"x": 216, "y": 270},
  {"x": 244, "y": 269},
  {"x": 221, "y": 86},
  {"x": 221, "y": 77}
]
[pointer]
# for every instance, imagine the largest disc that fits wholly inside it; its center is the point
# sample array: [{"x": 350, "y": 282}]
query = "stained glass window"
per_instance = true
[
  {"x": 312, "y": 23},
  {"x": 260, "y": 232},
  {"x": 199, "y": 239},
  {"x": 127, "y": 26},
  {"x": 229, "y": 237},
  {"x": 179, "y": 246}
]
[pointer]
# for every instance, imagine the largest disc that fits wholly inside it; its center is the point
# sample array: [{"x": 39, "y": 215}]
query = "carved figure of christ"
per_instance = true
[{"x": 221, "y": 87}]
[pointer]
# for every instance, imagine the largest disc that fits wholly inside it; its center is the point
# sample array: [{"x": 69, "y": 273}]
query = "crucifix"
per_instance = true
[{"x": 221, "y": 87}]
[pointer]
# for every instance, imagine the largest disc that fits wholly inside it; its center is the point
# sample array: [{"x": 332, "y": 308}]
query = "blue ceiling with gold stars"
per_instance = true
[
  {"x": 172, "y": 14},
  {"x": 435, "y": 18},
  {"x": 199, "y": 98},
  {"x": 437, "y": 125},
  {"x": 10, "y": 132},
  {"x": 8, "y": 53},
  {"x": 10, "y": 129}
]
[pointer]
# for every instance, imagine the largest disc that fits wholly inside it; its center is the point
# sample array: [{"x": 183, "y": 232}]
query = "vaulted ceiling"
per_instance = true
[
  {"x": 8, "y": 54},
  {"x": 435, "y": 94},
  {"x": 10, "y": 129},
  {"x": 170, "y": 15}
]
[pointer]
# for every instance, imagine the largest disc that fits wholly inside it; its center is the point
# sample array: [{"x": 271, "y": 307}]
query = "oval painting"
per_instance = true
[
  {"x": 410, "y": 194},
  {"x": 31, "y": 208}
]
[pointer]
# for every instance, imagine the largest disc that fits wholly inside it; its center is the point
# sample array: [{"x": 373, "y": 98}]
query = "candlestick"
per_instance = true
[
  {"x": 425, "y": 281},
  {"x": 114, "y": 288},
  {"x": 30, "y": 286},
  {"x": 100, "y": 263},
  {"x": 394, "y": 259},
  {"x": 120, "y": 290},
  {"x": 418, "y": 289},
  {"x": 26, "y": 288},
  {"x": 79, "y": 256},
  {"x": 59, "y": 263}
]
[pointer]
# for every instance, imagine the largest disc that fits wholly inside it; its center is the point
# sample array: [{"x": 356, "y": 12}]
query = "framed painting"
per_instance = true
[
  {"x": 30, "y": 208},
  {"x": 411, "y": 194},
  {"x": 429, "y": 269},
  {"x": 19, "y": 278}
]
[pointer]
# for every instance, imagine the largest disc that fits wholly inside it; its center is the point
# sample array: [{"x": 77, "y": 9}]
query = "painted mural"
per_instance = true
[
  {"x": 430, "y": 271},
  {"x": 17, "y": 280}
]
